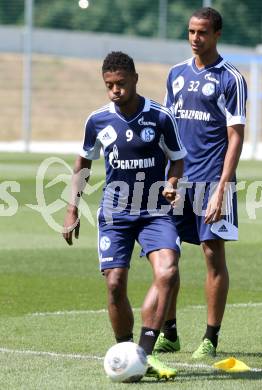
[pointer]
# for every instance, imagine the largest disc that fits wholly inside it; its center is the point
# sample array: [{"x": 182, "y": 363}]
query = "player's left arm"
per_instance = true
[
  {"x": 235, "y": 143},
  {"x": 235, "y": 92}
]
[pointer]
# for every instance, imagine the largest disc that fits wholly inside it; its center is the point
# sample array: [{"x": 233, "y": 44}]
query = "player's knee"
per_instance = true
[
  {"x": 168, "y": 274},
  {"x": 215, "y": 257},
  {"x": 210, "y": 253},
  {"x": 116, "y": 286}
]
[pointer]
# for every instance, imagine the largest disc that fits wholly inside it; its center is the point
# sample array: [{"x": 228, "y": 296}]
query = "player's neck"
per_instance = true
[
  {"x": 131, "y": 107},
  {"x": 206, "y": 60}
]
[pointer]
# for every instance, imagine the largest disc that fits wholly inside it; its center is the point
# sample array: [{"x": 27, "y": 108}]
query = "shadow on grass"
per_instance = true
[
  {"x": 203, "y": 375},
  {"x": 183, "y": 376}
]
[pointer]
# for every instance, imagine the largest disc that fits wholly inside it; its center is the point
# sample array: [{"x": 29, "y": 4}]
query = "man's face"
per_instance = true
[
  {"x": 121, "y": 86},
  {"x": 202, "y": 37}
]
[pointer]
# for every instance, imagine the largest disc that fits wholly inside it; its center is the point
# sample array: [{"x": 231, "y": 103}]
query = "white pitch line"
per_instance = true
[
  {"x": 101, "y": 311},
  {"x": 70, "y": 312},
  {"x": 93, "y": 357},
  {"x": 50, "y": 354},
  {"x": 231, "y": 305},
  {"x": 206, "y": 367},
  {"x": 249, "y": 304}
]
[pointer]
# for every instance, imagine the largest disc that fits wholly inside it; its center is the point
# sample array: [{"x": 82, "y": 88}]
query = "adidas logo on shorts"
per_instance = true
[{"x": 222, "y": 229}]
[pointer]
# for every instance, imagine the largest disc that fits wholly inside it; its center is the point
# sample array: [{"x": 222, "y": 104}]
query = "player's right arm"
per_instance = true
[
  {"x": 90, "y": 151},
  {"x": 175, "y": 172},
  {"x": 175, "y": 152},
  {"x": 80, "y": 177}
]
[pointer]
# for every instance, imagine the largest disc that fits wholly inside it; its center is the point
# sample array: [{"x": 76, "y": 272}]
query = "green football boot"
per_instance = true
[
  {"x": 158, "y": 369},
  {"x": 164, "y": 345},
  {"x": 205, "y": 350}
]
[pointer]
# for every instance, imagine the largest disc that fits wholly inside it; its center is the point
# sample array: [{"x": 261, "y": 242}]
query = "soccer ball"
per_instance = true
[{"x": 125, "y": 362}]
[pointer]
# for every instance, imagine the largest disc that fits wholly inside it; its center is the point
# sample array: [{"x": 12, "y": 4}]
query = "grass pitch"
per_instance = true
[{"x": 54, "y": 325}]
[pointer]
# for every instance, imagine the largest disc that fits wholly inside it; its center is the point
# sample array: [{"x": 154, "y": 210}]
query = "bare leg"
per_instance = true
[
  {"x": 171, "y": 312},
  {"x": 165, "y": 269},
  {"x": 119, "y": 309},
  {"x": 217, "y": 281}
]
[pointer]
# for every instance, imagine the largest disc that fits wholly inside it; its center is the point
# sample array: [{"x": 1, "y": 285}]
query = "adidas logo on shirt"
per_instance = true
[
  {"x": 222, "y": 229},
  {"x": 149, "y": 333},
  {"x": 106, "y": 136}
]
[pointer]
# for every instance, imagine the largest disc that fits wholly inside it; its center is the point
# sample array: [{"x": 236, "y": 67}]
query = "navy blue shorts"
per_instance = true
[
  {"x": 191, "y": 226},
  {"x": 116, "y": 241}
]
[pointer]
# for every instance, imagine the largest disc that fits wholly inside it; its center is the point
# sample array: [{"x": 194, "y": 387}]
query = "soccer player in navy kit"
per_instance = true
[
  {"x": 207, "y": 96},
  {"x": 137, "y": 136}
]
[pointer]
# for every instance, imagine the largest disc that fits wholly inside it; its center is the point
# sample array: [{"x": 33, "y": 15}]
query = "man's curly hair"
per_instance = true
[{"x": 117, "y": 60}]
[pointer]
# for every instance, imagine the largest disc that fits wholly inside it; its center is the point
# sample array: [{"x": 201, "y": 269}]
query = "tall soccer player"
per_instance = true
[
  {"x": 137, "y": 136},
  {"x": 207, "y": 96}
]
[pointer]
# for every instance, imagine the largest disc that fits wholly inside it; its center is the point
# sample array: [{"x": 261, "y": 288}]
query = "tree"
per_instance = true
[
  {"x": 242, "y": 19},
  {"x": 10, "y": 11}
]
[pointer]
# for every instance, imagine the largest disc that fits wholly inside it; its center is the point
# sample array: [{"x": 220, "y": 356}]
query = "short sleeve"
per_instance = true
[
  {"x": 170, "y": 141},
  {"x": 235, "y": 100},
  {"x": 168, "y": 101},
  {"x": 91, "y": 144}
]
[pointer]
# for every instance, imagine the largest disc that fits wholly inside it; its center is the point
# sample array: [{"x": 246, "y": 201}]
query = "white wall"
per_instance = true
[{"x": 97, "y": 45}]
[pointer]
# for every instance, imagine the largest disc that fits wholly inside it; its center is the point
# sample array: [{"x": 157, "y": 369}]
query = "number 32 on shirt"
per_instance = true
[{"x": 193, "y": 85}]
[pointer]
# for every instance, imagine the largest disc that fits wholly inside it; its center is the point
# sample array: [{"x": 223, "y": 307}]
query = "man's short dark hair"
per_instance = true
[
  {"x": 117, "y": 60},
  {"x": 210, "y": 13}
]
